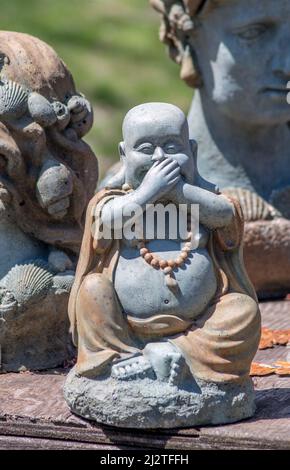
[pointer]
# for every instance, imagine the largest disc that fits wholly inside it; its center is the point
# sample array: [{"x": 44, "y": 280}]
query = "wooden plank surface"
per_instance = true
[
  {"x": 33, "y": 413},
  {"x": 32, "y": 443}
]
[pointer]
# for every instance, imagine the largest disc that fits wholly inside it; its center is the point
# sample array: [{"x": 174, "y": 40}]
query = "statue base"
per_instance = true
[
  {"x": 36, "y": 336},
  {"x": 267, "y": 257},
  {"x": 151, "y": 404}
]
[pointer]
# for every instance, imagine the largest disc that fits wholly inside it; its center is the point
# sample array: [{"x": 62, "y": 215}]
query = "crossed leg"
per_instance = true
[{"x": 103, "y": 332}]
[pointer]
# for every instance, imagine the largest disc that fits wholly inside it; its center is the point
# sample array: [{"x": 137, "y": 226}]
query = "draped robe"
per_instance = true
[{"x": 218, "y": 346}]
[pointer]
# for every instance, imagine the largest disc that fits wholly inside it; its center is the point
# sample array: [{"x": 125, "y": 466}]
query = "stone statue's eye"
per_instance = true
[
  {"x": 252, "y": 32},
  {"x": 148, "y": 149},
  {"x": 171, "y": 148}
]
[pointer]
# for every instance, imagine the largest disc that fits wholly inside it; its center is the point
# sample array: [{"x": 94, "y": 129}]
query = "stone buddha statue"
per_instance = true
[
  {"x": 48, "y": 174},
  {"x": 166, "y": 326},
  {"x": 235, "y": 54}
]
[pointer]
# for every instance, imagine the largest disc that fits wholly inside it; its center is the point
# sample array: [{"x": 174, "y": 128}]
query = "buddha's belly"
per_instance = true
[{"x": 142, "y": 290}]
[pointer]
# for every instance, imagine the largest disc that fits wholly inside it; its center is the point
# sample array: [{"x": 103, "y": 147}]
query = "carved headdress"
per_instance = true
[
  {"x": 178, "y": 21},
  {"x": 39, "y": 124}
]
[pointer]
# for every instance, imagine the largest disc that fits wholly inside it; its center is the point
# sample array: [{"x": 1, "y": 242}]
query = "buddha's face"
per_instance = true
[
  {"x": 243, "y": 52},
  {"x": 153, "y": 132}
]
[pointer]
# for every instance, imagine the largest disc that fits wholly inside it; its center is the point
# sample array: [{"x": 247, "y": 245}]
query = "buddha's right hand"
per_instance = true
[{"x": 160, "y": 179}]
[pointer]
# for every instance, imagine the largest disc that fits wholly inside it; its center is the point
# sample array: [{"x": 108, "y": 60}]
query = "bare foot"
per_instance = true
[
  {"x": 167, "y": 362},
  {"x": 133, "y": 368},
  {"x": 176, "y": 368}
]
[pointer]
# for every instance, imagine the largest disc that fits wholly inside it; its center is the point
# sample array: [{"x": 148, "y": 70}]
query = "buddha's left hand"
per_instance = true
[{"x": 176, "y": 194}]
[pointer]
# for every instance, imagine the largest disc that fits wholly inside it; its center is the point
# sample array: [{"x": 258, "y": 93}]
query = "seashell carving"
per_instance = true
[
  {"x": 41, "y": 110},
  {"x": 64, "y": 281},
  {"x": 280, "y": 198},
  {"x": 13, "y": 99},
  {"x": 254, "y": 207},
  {"x": 28, "y": 281},
  {"x": 62, "y": 114},
  {"x": 8, "y": 303}
]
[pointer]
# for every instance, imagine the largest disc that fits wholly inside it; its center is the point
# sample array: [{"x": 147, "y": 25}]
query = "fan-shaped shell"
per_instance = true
[
  {"x": 28, "y": 281},
  {"x": 254, "y": 207},
  {"x": 64, "y": 281},
  {"x": 280, "y": 198},
  {"x": 13, "y": 99}
]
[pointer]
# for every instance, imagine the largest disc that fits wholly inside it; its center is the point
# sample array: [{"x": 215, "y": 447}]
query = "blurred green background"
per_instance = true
[{"x": 112, "y": 49}]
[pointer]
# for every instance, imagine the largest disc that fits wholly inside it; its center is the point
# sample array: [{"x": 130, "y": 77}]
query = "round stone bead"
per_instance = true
[
  {"x": 171, "y": 263},
  {"x": 179, "y": 261},
  {"x": 167, "y": 270},
  {"x": 126, "y": 187},
  {"x": 148, "y": 257},
  {"x": 144, "y": 251},
  {"x": 170, "y": 281},
  {"x": 163, "y": 264},
  {"x": 155, "y": 263}
]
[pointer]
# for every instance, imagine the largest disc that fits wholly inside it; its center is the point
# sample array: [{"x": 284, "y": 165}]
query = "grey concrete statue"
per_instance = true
[
  {"x": 166, "y": 326},
  {"x": 235, "y": 54},
  {"x": 47, "y": 176}
]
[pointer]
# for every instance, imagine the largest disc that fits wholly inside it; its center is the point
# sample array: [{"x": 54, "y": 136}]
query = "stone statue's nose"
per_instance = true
[
  {"x": 281, "y": 60},
  {"x": 158, "y": 154}
]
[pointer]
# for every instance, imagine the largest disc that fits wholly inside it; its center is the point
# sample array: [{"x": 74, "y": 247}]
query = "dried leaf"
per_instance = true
[
  {"x": 270, "y": 338},
  {"x": 261, "y": 370},
  {"x": 283, "y": 371},
  {"x": 266, "y": 344},
  {"x": 281, "y": 337},
  {"x": 282, "y": 364},
  {"x": 281, "y": 368},
  {"x": 267, "y": 339}
]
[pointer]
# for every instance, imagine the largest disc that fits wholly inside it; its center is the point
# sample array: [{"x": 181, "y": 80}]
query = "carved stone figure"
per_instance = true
[
  {"x": 166, "y": 329},
  {"x": 235, "y": 55},
  {"x": 47, "y": 176}
]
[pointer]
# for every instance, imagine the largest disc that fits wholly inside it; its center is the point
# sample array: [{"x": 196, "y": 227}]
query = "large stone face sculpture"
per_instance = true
[
  {"x": 166, "y": 329},
  {"x": 47, "y": 176},
  {"x": 235, "y": 53}
]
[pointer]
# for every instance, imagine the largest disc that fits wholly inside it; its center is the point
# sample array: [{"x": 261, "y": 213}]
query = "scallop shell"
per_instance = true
[
  {"x": 28, "y": 281},
  {"x": 280, "y": 198},
  {"x": 64, "y": 281},
  {"x": 13, "y": 99},
  {"x": 254, "y": 207}
]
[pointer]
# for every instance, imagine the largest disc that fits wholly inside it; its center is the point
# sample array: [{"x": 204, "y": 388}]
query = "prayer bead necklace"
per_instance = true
[{"x": 167, "y": 266}]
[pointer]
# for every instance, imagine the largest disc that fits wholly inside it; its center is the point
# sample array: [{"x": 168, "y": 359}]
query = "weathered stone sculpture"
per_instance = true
[
  {"x": 47, "y": 176},
  {"x": 235, "y": 54},
  {"x": 166, "y": 330}
]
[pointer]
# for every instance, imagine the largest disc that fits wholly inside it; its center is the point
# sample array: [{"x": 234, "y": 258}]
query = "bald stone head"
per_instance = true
[{"x": 154, "y": 131}]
